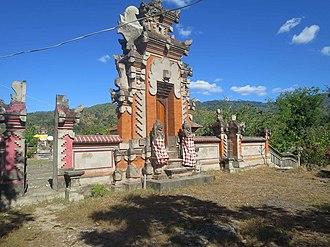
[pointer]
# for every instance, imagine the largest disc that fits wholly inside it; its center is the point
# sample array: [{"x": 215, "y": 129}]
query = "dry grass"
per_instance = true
[{"x": 260, "y": 207}]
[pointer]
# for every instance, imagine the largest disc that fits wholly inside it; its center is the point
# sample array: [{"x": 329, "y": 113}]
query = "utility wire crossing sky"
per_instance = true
[{"x": 249, "y": 50}]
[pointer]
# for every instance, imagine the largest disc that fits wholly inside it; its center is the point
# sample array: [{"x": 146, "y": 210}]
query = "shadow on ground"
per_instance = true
[
  {"x": 12, "y": 220},
  {"x": 161, "y": 220}
]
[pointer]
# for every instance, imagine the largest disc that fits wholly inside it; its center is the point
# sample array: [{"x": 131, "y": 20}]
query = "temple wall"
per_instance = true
[
  {"x": 253, "y": 151},
  {"x": 95, "y": 156},
  {"x": 208, "y": 152}
]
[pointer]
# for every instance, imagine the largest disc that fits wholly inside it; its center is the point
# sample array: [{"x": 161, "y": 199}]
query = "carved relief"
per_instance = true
[
  {"x": 20, "y": 92},
  {"x": 141, "y": 113},
  {"x": 166, "y": 70},
  {"x": 130, "y": 28}
]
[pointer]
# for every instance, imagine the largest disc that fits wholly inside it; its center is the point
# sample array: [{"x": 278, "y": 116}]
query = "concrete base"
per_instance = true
[
  {"x": 133, "y": 185},
  {"x": 169, "y": 184}
]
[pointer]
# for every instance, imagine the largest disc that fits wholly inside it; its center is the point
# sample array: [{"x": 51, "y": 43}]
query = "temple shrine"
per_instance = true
[{"x": 153, "y": 82}]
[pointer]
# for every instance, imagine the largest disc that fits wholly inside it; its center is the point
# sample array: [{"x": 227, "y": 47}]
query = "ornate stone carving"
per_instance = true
[
  {"x": 130, "y": 28},
  {"x": 153, "y": 23},
  {"x": 166, "y": 70},
  {"x": 141, "y": 113},
  {"x": 20, "y": 92},
  {"x": 65, "y": 118}
]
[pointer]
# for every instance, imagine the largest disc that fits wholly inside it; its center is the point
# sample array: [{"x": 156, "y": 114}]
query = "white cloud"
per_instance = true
[
  {"x": 204, "y": 87},
  {"x": 104, "y": 59},
  {"x": 247, "y": 90},
  {"x": 326, "y": 51},
  {"x": 218, "y": 80},
  {"x": 282, "y": 90},
  {"x": 179, "y": 3},
  {"x": 307, "y": 35},
  {"x": 289, "y": 24},
  {"x": 184, "y": 32}
]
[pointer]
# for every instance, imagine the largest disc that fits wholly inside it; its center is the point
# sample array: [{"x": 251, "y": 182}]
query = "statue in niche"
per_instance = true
[
  {"x": 188, "y": 146},
  {"x": 159, "y": 153}
]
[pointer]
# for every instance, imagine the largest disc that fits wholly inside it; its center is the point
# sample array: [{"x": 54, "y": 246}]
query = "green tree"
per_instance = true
[
  {"x": 302, "y": 121},
  {"x": 30, "y": 131}
]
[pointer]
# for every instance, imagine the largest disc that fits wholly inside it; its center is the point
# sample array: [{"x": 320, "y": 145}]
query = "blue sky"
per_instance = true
[{"x": 242, "y": 49}]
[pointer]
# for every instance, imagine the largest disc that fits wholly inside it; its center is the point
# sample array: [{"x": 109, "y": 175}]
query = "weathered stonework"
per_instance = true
[
  {"x": 12, "y": 143},
  {"x": 64, "y": 136},
  {"x": 153, "y": 81}
]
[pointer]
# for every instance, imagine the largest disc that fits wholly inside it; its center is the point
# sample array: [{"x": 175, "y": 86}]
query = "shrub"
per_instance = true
[{"x": 99, "y": 190}]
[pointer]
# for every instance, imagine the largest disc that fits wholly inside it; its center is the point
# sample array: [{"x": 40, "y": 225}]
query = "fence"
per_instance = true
[{"x": 283, "y": 159}]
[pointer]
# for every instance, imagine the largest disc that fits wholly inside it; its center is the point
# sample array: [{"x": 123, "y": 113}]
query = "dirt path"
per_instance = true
[{"x": 261, "y": 207}]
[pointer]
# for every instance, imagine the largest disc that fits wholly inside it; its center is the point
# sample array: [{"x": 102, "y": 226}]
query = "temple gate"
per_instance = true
[{"x": 153, "y": 81}]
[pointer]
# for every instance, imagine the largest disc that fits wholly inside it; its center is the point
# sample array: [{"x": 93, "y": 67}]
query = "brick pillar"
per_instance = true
[
  {"x": 64, "y": 135},
  {"x": 235, "y": 136},
  {"x": 125, "y": 126},
  {"x": 13, "y": 168}
]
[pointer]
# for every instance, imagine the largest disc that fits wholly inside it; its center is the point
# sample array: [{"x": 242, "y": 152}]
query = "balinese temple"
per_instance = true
[{"x": 153, "y": 80}]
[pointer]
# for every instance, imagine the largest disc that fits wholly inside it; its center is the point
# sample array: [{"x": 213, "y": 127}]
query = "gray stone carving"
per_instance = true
[
  {"x": 141, "y": 113},
  {"x": 166, "y": 70},
  {"x": 20, "y": 92},
  {"x": 130, "y": 28}
]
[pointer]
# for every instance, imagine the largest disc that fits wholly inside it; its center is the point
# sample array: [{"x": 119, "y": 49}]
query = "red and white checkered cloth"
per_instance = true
[
  {"x": 158, "y": 146},
  {"x": 188, "y": 151}
]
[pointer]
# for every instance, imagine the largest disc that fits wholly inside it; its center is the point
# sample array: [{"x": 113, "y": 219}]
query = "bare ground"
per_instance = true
[{"x": 260, "y": 207}]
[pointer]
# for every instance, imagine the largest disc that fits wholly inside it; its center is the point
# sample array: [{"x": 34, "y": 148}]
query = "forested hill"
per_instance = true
[
  {"x": 100, "y": 118},
  {"x": 298, "y": 119},
  {"x": 234, "y": 105},
  {"x": 97, "y": 119}
]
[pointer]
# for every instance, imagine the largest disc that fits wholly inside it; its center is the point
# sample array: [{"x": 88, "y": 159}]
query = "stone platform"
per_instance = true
[{"x": 174, "y": 183}]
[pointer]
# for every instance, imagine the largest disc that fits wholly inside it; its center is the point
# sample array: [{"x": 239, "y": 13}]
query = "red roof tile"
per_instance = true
[{"x": 97, "y": 139}]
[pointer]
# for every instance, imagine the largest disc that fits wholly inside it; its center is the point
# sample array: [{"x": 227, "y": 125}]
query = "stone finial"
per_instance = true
[
  {"x": 129, "y": 27},
  {"x": 235, "y": 127},
  {"x": 20, "y": 92},
  {"x": 61, "y": 100},
  {"x": 220, "y": 115}
]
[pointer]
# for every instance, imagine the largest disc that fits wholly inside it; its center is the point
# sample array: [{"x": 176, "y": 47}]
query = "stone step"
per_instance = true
[
  {"x": 39, "y": 170},
  {"x": 174, "y": 162},
  {"x": 173, "y": 154},
  {"x": 41, "y": 184},
  {"x": 40, "y": 174}
]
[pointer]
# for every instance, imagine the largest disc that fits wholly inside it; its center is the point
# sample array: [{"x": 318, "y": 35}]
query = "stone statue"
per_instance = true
[
  {"x": 158, "y": 150},
  {"x": 188, "y": 146}
]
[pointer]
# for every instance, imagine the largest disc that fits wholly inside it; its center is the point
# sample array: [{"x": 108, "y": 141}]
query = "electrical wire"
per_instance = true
[
  {"x": 31, "y": 97},
  {"x": 95, "y": 33}
]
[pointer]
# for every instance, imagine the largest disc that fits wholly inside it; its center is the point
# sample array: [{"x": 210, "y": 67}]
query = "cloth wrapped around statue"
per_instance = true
[
  {"x": 188, "y": 151},
  {"x": 187, "y": 146},
  {"x": 158, "y": 144},
  {"x": 160, "y": 152}
]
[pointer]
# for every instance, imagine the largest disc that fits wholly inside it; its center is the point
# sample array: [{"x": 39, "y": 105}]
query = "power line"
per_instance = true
[
  {"x": 31, "y": 97},
  {"x": 95, "y": 33}
]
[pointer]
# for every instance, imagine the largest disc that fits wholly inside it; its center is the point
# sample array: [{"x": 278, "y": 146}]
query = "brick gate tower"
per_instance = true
[{"x": 153, "y": 81}]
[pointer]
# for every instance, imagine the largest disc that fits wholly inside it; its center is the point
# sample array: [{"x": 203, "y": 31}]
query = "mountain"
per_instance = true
[{"x": 99, "y": 119}]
